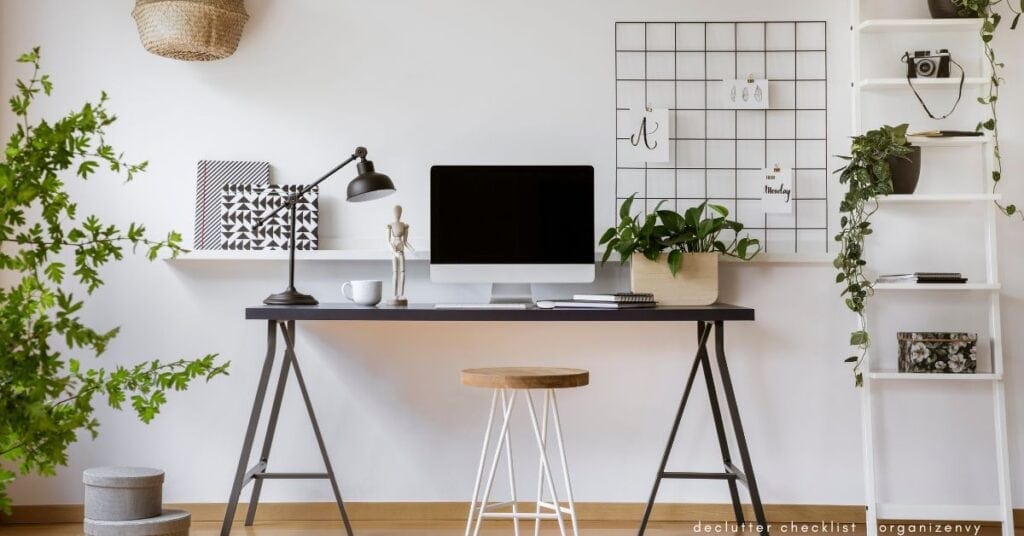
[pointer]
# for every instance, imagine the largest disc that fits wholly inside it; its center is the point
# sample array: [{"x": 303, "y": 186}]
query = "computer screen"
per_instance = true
[{"x": 512, "y": 215}]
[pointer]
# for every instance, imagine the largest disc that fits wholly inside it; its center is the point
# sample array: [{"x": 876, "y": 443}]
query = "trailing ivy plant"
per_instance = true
[
  {"x": 667, "y": 230},
  {"x": 985, "y": 10},
  {"x": 48, "y": 251},
  {"x": 867, "y": 175}
]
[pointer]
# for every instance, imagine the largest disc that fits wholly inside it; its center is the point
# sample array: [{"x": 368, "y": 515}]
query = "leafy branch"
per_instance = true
[{"x": 46, "y": 399}]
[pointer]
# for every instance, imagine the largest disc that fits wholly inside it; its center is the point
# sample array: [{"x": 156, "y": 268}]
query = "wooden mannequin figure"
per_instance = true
[{"x": 398, "y": 240}]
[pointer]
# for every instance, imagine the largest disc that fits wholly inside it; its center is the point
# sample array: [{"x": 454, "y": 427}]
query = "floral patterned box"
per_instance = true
[{"x": 954, "y": 353}]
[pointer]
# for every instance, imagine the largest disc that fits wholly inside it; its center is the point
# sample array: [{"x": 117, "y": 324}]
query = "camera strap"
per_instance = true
[{"x": 910, "y": 82}]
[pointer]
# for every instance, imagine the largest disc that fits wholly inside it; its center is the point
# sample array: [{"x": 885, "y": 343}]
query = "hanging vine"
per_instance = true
[
  {"x": 867, "y": 175},
  {"x": 984, "y": 9}
]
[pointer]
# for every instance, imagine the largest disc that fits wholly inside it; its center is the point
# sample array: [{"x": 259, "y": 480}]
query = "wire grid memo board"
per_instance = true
[{"x": 719, "y": 153}]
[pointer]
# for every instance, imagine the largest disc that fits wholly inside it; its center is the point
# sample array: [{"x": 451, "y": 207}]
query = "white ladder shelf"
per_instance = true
[{"x": 877, "y": 510}]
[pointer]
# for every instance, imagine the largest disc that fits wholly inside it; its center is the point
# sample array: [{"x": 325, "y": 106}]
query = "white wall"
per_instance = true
[{"x": 491, "y": 82}]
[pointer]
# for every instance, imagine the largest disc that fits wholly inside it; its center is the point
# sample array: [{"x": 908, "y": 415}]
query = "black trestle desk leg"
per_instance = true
[
  {"x": 289, "y": 336},
  {"x": 268, "y": 441},
  {"x": 731, "y": 473},
  {"x": 703, "y": 332},
  {"x": 250, "y": 433},
  {"x": 723, "y": 442},
  {"x": 741, "y": 440}
]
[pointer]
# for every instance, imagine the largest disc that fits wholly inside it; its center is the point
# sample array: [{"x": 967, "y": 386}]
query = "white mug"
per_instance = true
[{"x": 366, "y": 292}]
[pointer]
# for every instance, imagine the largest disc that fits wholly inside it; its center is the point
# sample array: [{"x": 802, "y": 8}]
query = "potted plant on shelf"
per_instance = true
[
  {"x": 868, "y": 174},
  {"x": 675, "y": 256},
  {"x": 985, "y": 10}
]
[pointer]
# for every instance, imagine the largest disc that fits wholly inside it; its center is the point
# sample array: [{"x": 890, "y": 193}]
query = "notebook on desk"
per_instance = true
[{"x": 579, "y": 304}]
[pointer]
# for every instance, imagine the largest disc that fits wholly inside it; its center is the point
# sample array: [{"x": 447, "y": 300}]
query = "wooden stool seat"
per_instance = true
[{"x": 525, "y": 377}]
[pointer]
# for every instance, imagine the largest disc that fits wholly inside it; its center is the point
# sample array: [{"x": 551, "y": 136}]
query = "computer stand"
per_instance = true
[{"x": 511, "y": 293}]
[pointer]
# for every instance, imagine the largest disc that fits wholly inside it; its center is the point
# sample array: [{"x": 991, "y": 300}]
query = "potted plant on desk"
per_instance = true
[{"x": 675, "y": 256}]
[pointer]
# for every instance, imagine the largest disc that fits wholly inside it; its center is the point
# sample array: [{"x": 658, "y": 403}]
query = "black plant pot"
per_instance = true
[
  {"x": 906, "y": 171},
  {"x": 946, "y": 9}
]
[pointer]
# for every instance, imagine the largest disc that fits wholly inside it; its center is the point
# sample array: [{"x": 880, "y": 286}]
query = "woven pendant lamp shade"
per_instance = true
[{"x": 190, "y": 30}]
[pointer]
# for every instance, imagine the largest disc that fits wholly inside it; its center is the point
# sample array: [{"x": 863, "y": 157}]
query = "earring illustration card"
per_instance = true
[
  {"x": 777, "y": 195},
  {"x": 648, "y": 137},
  {"x": 745, "y": 94}
]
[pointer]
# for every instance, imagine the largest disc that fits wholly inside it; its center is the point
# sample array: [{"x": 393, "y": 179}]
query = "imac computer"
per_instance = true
[{"x": 511, "y": 226}]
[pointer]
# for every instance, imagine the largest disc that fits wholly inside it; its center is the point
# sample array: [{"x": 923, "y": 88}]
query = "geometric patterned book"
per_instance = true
[
  {"x": 242, "y": 206},
  {"x": 211, "y": 177}
]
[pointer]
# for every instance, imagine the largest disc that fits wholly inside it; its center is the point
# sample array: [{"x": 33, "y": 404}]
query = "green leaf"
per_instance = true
[
  {"x": 626, "y": 207},
  {"x": 851, "y": 359},
  {"x": 675, "y": 261},
  {"x": 55, "y": 272},
  {"x": 858, "y": 338},
  {"x": 722, "y": 211},
  {"x": 608, "y": 235}
]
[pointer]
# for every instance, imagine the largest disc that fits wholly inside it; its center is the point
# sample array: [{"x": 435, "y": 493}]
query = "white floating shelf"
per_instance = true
[
  {"x": 938, "y": 286},
  {"x": 939, "y": 512},
  {"x": 278, "y": 255},
  {"x": 921, "y": 25},
  {"x": 920, "y": 83},
  {"x": 918, "y": 376},
  {"x": 953, "y": 141},
  {"x": 937, "y": 198},
  {"x": 217, "y": 255}
]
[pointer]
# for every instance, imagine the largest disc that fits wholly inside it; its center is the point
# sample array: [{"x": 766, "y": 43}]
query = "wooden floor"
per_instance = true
[{"x": 325, "y": 528}]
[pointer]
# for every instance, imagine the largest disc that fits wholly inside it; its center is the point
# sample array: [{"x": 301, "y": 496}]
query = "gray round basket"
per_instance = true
[
  {"x": 190, "y": 30},
  {"x": 122, "y": 493}
]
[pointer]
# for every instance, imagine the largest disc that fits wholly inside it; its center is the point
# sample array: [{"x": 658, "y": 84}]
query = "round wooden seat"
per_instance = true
[{"x": 525, "y": 377}]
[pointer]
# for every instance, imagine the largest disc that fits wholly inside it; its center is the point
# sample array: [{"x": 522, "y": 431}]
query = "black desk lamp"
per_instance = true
[{"x": 367, "y": 186}]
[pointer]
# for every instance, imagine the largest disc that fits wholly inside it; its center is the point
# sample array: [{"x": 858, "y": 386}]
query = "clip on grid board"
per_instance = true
[{"x": 719, "y": 153}]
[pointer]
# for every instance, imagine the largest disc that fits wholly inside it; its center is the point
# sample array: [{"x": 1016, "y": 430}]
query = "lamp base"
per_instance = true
[{"x": 290, "y": 297}]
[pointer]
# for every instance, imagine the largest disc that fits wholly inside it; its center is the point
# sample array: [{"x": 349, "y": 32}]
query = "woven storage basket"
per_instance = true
[{"x": 190, "y": 30}]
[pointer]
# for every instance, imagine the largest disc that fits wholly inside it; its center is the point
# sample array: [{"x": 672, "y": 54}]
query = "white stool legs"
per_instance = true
[{"x": 480, "y": 507}]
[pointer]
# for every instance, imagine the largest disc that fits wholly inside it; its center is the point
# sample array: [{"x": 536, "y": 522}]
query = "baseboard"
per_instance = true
[{"x": 456, "y": 511}]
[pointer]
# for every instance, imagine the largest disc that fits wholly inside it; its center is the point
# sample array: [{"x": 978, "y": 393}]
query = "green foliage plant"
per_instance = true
[
  {"x": 868, "y": 176},
  {"x": 668, "y": 231},
  {"x": 991, "y": 19},
  {"x": 47, "y": 252}
]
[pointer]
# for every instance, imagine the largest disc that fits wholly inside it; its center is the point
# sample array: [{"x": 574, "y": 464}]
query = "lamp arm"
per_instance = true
[{"x": 360, "y": 152}]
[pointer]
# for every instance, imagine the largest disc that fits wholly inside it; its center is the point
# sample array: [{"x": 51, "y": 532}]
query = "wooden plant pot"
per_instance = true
[{"x": 695, "y": 284}]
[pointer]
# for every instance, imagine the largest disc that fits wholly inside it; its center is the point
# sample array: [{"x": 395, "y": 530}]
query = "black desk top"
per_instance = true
[{"x": 427, "y": 313}]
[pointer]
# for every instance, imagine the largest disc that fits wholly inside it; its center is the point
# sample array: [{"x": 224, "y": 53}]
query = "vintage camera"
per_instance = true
[{"x": 925, "y": 64}]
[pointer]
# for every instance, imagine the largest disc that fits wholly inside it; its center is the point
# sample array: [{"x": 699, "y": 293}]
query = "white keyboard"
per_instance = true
[{"x": 514, "y": 306}]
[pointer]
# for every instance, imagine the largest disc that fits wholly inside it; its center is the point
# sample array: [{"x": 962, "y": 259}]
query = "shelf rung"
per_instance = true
[
  {"x": 949, "y": 141},
  {"x": 923, "y": 25},
  {"x": 935, "y": 376},
  {"x": 938, "y": 286},
  {"x": 901, "y": 83},
  {"x": 937, "y": 198},
  {"x": 931, "y": 512}
]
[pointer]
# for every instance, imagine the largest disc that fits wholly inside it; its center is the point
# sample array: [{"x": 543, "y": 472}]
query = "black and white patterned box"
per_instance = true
[{"x": 242, "y": 206}]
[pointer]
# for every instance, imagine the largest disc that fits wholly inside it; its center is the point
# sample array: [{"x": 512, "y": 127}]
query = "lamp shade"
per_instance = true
[{"x": 369, "y": 184}]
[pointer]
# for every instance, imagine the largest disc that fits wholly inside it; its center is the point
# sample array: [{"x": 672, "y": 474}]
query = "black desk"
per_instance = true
[{"x": 283, "y": 318}]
